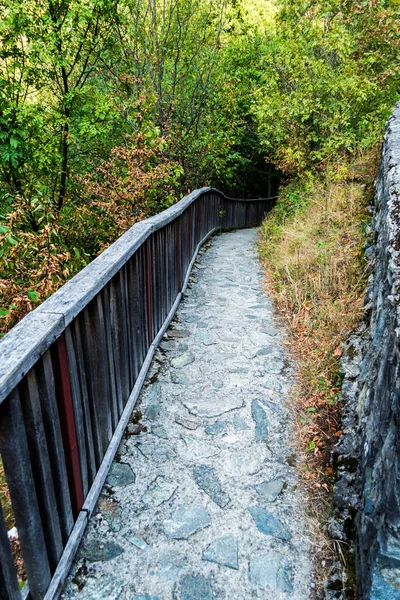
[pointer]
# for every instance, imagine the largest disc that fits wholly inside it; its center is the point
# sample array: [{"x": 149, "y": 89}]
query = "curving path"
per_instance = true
[{"x": 201, "y": 503}]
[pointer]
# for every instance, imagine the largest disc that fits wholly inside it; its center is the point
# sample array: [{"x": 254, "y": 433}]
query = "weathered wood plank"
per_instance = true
[
  {"x": 113, "y": 367},
  {"x": 80, "y": 373},
  {"x": 126, "y": 331},
  {"x": 41, "y": 468},
  {"x": 51, "y": 423},
  {"x": 158, "y": 279},
  {"x": 63, "y": 568},
  {"x": 17, "y": 466},
  {"x": 178, "y": 242},
  {"x": 74, "y": 295},
  {"x": 96, "y": 379},
  {"x": 171, "y": 263},
  {"x": 138, "y": 310},
  {"x": 118, "y": 334},
  {"x": 148, "y": 278},
  {"x": 177, "y": 209},
  {"x": 67, "y": 422},
  {"x": 78, "y": 410},
  {"x": 127, "y": 299},
  {"x": 9, "y": 588},
  {"x": 22, "y": 347},
  {"x": 103, "y": 374}
]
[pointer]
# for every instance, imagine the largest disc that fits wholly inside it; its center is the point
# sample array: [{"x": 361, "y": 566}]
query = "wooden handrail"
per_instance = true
[
  {"x": 71, "y": 372},
  {"x": 33, "y": 335}
]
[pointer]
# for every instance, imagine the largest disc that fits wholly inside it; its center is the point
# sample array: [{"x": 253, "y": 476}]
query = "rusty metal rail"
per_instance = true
[{"x": 71, "y": 372}]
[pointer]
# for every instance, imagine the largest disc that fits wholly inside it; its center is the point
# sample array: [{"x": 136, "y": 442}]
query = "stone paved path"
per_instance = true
[{"x": 203, "y": 505}]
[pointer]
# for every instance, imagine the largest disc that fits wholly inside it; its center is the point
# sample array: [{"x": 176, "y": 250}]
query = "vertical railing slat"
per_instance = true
[
  {"x": 178, "y": 241},
  {"x": 138, "y": 309},
  {"x": 113, "y": 366},
  {"x": 17, "y": 465},
  {"x": 76, "y": 363},
  {"x": 102, "y": 374},
  {"x": 117, "y": 334},
  {"x": 67, "y": 422},
  {"x": 156, "y": 281},
  {"x": 148, "y": 288},
  {"x": 51, "y": 422},
  {"x": 41, "y": 468},
  {"x": 117, "y": 312},
  {"x": 130, "y": 358},
  {"x": 95, "y": 378},
  {"x": 9, "y": 587},
  {"x": 81, "y": 433}
]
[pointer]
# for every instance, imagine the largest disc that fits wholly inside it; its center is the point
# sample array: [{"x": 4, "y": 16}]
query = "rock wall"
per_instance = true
[{"x": 368, "y": 492}]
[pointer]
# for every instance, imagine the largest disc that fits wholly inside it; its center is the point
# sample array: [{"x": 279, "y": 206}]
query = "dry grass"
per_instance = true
[
  {"x": 5, "y": 499},
  {"x": 314, "y": 270},
  {"x": 312, "y": 249},
  {"x": 10, "y": 522}
]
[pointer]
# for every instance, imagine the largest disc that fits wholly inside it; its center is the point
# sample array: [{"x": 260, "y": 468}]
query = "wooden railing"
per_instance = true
[{"x": 71, "y": 372}]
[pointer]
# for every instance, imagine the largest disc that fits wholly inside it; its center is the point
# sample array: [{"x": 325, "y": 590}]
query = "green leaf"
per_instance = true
[
  {"x": 311, "y": 446},
  {"x": 4, "y": 312},
  {"x": 4, "y": 228},
  {"x": 34, "y": 296},
  {"x": 11, "y": 240}
]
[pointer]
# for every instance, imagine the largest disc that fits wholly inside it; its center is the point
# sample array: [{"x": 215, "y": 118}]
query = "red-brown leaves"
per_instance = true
[{"x": 137, "y": 181}]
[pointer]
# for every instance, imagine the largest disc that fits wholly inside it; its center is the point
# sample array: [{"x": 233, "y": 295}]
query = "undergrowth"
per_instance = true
[
  {"x": 5, "y": 499},
  {"x": 311, "y": 246}
]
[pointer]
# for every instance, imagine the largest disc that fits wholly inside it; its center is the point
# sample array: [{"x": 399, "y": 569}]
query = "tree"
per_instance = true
[
  {"x": 49, "y": 51},
  {"x": 330, "y": 78}
]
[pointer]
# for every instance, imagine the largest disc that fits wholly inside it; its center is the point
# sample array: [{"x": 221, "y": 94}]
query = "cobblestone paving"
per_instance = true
[{"x": 203, "y": 505}]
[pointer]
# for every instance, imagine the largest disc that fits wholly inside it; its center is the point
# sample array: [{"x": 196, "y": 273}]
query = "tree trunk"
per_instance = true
[
  {"x": 64, "y": 144},
  {"x": 64, "y": 165}
]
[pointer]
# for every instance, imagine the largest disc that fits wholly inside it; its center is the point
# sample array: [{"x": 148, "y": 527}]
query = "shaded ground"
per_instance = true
[{"x": 204, "y": 504}]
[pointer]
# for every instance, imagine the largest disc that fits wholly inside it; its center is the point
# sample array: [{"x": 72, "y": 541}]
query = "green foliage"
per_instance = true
[
  {"x": 111, "y": 110},
  {"x": 331, "y": 75},
  {"x": 32, "y": 295}
]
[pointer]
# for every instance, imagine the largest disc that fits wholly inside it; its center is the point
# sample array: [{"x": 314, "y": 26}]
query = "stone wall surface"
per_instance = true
[{"x": 368, "y": 491}]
